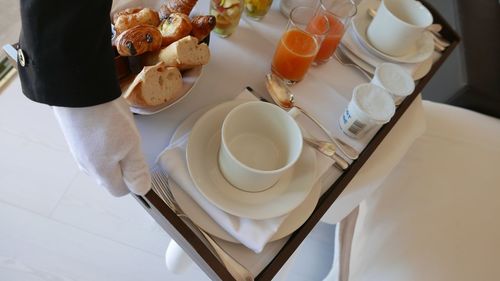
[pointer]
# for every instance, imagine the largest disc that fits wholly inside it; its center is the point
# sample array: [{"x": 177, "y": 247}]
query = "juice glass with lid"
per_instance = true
[{"x": 298, "y": 45}]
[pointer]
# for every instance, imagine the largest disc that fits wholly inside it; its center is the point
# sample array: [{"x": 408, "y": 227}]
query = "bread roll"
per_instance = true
[
  {"x": 176, "y": 6},
  {"x": 138, "y": 40},
  {"x": 132, "y": 17},
  {"x": 174, "y": 27},
  {"x": 201, "y": 26},
  {"x": 155, "y": 85},
  {"x": 185, "y": 53}
]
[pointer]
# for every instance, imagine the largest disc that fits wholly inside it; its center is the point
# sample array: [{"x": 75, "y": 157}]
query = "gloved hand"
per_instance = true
[{"x": 106, "y": 145}]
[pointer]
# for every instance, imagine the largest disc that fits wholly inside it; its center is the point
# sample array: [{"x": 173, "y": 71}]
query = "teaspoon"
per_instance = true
[
  {"x": 328, "y": 149},
  {"x": 282, "y": 96}
]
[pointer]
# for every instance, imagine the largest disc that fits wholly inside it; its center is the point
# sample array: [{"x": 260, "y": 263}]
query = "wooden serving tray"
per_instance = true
[{"x": 201, "y": 254}]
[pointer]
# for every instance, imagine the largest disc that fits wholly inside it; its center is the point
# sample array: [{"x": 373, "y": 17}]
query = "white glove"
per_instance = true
[{"x": 106, "y": 145}]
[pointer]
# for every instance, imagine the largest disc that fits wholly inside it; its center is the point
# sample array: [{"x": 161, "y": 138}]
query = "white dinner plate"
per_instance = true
[
  {"x": 421, "y": 51},
  {"x": 202, "y": 161},
  {"x": 295, "y": 219},
  {"x": 189, "y": 78}
]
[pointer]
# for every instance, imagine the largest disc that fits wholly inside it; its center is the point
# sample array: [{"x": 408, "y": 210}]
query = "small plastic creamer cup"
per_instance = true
[
  {"x": 395, "y": 80},
  {"x": 370, "y": 106}
]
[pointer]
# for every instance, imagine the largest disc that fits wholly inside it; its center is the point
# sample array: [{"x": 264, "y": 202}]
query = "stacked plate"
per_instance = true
[
  {"x": 355, "y": 45},
  {"x": 286, "y": 205}
]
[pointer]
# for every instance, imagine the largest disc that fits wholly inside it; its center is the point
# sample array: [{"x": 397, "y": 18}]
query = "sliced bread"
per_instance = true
[
  {"x": 184, "y": 53},
  {"x": 154, "y": 85}
]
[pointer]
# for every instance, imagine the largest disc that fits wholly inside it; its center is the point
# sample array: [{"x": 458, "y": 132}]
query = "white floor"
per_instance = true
[{"x": 56, "y": 224}]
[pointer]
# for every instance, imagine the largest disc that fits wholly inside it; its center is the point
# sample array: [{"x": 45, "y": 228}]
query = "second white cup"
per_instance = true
[
  {"x": 398, "y": 25},
  {"x": 260, "y": 142}
]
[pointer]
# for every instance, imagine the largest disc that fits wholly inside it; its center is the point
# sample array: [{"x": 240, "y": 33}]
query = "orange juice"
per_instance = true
[
  {"x": 333, "y": 37},
  {"x": 294, "y": 54}
]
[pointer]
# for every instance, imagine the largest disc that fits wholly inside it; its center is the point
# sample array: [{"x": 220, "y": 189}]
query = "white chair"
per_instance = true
[{"x": 436, "y": 216}]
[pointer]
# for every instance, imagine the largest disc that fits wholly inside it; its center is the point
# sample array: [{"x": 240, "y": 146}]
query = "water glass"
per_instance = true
[
  {"x": 298, "y": 45},
  {"x": 339, "y": 14},
  {"x": 287, "y": 5},
  {"x": 227, "y": 15},
  {"x": 257, "y": 9}
]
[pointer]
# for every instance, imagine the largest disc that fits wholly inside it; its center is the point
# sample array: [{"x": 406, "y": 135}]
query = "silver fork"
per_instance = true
[
  {"x": 161, "y": 186},
  {"x": 343, "y": 59}
]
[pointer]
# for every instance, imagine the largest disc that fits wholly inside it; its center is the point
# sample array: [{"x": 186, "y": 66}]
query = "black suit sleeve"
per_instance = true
[{"x": 67, "y": 51}]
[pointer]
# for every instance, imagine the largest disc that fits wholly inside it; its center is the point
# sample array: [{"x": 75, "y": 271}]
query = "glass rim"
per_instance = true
[
  {"x": 354, "y": 10},
  {"x": 313, "y": 14}
]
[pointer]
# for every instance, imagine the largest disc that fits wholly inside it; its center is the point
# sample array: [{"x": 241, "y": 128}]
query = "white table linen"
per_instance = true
[{"x": 436, "y": 216}]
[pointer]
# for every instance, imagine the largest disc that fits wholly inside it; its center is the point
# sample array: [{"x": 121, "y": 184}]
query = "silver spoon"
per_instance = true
[
  {"x": 434, "y": 29},
  {"x": 328, "y": 149},
  {"x": 282, "y": 96}
]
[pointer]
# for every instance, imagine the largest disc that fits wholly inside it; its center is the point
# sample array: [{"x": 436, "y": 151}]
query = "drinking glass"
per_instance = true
[
  {"x": 257, "y": 9},
  {"x": 287, "y": 5},
  {"x": 339, "y": 14},
  {"x": 227, "y": 15},
  {"x": 298, "y": 45}
]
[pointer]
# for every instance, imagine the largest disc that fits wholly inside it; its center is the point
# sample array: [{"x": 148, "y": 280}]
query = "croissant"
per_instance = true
[
  {"x": 176, "y": 6},
  {"x": 138, "y": 40},
  {"x": 128, "y": 11},
  {"x": 202, "y": 25},
  {"x": 135, "y": 16},
  {"x": 174, "y": 27}
]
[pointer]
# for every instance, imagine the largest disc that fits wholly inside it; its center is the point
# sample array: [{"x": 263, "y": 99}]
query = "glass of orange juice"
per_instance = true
[
  {"x": 338, "y": 14},
  {"x": 298, "y": 45}
]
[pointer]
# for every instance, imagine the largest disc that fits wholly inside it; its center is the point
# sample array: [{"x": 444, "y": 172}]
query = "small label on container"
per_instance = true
[
  {"x": 356, "y": 127},
  {"x": 353, "y": 126}
]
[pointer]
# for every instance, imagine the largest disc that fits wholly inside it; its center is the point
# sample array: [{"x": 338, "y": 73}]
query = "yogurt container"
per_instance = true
[
  {"x": 395, "y": 80},
  {"x": 370, "y": 106}
]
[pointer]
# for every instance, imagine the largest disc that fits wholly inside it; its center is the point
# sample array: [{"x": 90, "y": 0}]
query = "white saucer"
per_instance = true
[
  {"x": 421, "y": 70},
  {"x": 295, "y": 219},
  {"x": 202, "y": 161},
  {"x": 421, "y": 51},
  {"x": 189, "y": 79}
]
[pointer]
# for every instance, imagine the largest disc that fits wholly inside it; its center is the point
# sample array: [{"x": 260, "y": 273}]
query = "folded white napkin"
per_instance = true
[{"x": 254, "y": 234}]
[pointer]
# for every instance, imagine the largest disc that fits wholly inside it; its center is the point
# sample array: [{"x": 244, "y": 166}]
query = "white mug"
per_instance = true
[
  {"x": 370, "y": 106},
  {"x": 398, "y": 25},
  {"x": 260, "y": 142}
]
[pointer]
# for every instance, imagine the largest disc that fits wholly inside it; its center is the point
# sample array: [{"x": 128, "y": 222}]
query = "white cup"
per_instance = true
[
  {"x": 395, "y": 80},
  {"x": 260, "y": 142},
  {"x": 369, "y": 107},
  {"x": 398, "y": 25}
]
